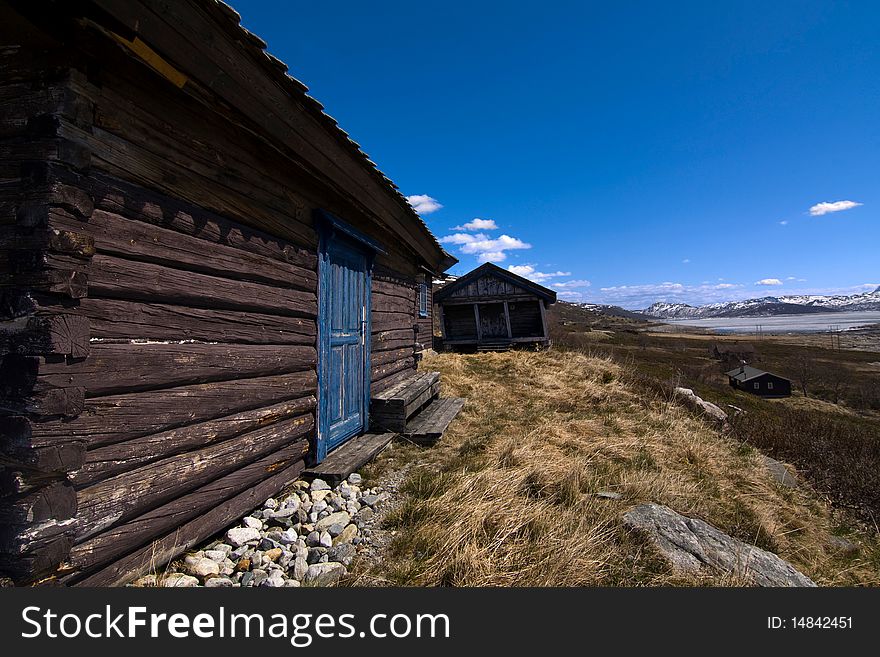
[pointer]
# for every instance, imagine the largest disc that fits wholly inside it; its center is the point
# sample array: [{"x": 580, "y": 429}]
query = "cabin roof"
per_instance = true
[
  {"x": 276, "y": 71},
  {"x": 489, "y": 268},
  {"x": 747, "y": 373}
]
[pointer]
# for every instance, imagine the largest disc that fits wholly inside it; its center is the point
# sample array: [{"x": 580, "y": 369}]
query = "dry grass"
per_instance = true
[{"x": 508, "y": 497}]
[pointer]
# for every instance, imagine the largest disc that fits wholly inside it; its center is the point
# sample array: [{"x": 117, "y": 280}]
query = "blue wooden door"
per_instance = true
[{"x": 344, "y": 317}]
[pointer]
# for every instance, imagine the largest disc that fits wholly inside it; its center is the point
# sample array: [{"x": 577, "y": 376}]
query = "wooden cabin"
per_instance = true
[
  {"x": 492, "y": 308},
  {"x": 758, "y": 382},
  {"x": 206, "y": 285}
]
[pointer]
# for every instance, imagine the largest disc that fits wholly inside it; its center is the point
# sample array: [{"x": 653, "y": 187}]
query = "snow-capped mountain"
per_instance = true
[{"x": 798, "y": 304}]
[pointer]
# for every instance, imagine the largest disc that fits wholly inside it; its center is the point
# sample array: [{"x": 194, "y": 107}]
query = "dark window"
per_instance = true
[{"x": 423, "y": 300}]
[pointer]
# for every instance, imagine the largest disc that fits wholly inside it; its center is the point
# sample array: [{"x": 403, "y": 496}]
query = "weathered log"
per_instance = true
[
  {"x": 133, "y": 201},
  {"x": 64, "y": 334},
  {"x": 126, "y": 279},
  {"x": 379, "y": 372},
  {"x": 56, "y": 500},
  {"x": 32, "y": 551},
  {"x": 126, "y": 495},
  {"x": 379, "y": 336},
  {"x": 18, "y": 451},
  {"x": 112, "y": 459},
  {"x": 378, "y": 385},
  {"x": 110, "y": 419},
  {"x": 385, "y": 304},
  {"x": 116, "y": 319},
  {"x": 117, "y": 368},
  {"x": 135, "y": 533},
  {"x": 191, "y": 533},
  {"x": 128, "y": 238},
  {"x": 380, "y": 358}
]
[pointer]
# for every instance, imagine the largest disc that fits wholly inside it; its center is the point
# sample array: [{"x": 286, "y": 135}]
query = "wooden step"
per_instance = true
[
  {"x": 390, "y": 409},
  {"x": 349, "y": 457},
  {"x": 428, "y": 426}
]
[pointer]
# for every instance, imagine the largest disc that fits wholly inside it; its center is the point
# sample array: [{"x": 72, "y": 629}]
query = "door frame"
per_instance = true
[{"x": 330, "y": 230}]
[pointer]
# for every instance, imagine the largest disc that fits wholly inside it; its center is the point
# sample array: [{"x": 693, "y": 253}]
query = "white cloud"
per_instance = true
[
  {"x": 685, "y": 261},
  {"x": 485, "y": 248},
  {"x": 423, "y": 204},
  {"x": 478, "y": 224},
  {"x": 768, "y": 281},
  {"x": 724, "y": 286},
  {"x": 571, "y": 296},
  {"x": 528, "y": 271},
  {"x": 491, "y": 256},
  {"x": 567, "y": 285},
  {"x": 824, "y": 208},
  {"x": 784, "y": 222}
]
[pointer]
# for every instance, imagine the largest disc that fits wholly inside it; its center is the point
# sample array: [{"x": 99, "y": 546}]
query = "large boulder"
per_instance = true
[
  {"x": 700, "y": 405},
  {"x": 692, "y": 545},
  {"x": 780, "y": 473}
]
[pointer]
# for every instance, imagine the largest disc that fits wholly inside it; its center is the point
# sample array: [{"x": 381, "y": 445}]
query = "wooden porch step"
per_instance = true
[
  {"x": 349, "y": 457},
  {"x": 390, "y": 409},
  {"x": 428, "y": 426}
]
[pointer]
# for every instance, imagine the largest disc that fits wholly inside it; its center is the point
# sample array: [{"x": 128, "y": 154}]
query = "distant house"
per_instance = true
[
  {"x": 492, "y": 308},
  {"x": 759, "y": 382}
]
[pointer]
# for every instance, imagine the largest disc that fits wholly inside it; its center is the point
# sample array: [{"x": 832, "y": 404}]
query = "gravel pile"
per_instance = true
[{"x": 310, "y": 537}]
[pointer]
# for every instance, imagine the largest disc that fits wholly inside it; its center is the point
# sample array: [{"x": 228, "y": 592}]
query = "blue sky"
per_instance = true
[{"x": 621, "y": 152}]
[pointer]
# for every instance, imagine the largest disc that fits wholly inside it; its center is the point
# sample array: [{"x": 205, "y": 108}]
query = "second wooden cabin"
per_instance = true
[{"x": 491, "y": 308}]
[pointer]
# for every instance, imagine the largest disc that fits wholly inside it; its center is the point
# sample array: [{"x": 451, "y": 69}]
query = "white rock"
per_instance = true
[
  {"x": 253, "y": 523},
  {"x": 201, "y": 566},
  {"x": 216, "y": 555},
  {"x": 241, "y": 535},
  {"x": 300, "y": 566},
  {"x": 319, "y": 484},
  {"x": 355, "y": 479},
  {"x": 179, "y": 580}
]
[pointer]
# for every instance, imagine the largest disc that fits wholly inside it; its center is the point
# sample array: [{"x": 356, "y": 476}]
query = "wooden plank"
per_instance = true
[
  {"x": 63, "y": 334},
  {"x": 406, "y": 391},
  {"x": 110, "y": 460},
  {"x": 428, "y": 426},
  {"x": 132, "y": 493},
  {"x": 192, "y": 533},
  {"x": 128, "y": 238},
  {"x": 117, "y": 368},
  {"x": 137, "y": 532},
  {"x": 113, "y": 418},
  {"x": 136, "y": 202},
  {"x": 118, "y": 278},
  {"x": 116, "y": 319},
  {"x": 349, "y": 457}
]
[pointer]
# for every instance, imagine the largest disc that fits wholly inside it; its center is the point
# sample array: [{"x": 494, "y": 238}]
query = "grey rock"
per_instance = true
[
  {"x": 326, "y": 540},
  {"x": 843, "y": 546},
  {"x": 260, "y": 576},
  {"x": 780, "y": 473},
  {"x": 336, "y": 529},
  {"x": 355, "y": 479},
  {"x": 313, "y": 539},
  {"x": 284, "y": 512},
  {"x": 287, "y": 537},
  {"x": 319, "y": 484},
  {"x": 317, "y": 507},
  {"x": 300, "y": 566},
  {"x": 325, "y": 574},
  {"x": 691, "y": 545},
  {"x": 609, "y": 495},
  {"x": 364, "y": 514},
  {"x": 710, "y": 410},
  {"x": 292, "y": 583},
  {"x": 218, "y": 582},
  {"x": 271, "y": 503},
  {"x": 267, "y": 544},
  {"x": 247, "y": 579},
  {"x": 216, "y": 555},
  {"x": 241, "y": 535},
  {"x": 344, "y": 553},
  {"x": 315, "y": 555},
  {"x": 370, "y": 500},
  {"x": 339, "y": 517}
]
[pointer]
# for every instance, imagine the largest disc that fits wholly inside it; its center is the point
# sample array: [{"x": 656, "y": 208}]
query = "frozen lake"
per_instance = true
[{"x": 813, "y": 323}]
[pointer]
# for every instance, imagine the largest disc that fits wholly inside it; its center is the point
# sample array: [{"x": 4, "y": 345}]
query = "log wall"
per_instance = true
[{"x": 159, "y": 302}]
